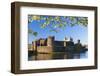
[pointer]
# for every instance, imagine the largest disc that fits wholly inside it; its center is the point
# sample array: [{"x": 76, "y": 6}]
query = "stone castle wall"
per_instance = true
[
  {"x": 44, "y": 49},
  {"x": 49, "y": 45},
  {"x": 59, "y": 49}
]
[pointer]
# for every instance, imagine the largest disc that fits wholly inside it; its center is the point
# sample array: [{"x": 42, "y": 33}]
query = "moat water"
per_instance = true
[{"x": 57, "y": 55}]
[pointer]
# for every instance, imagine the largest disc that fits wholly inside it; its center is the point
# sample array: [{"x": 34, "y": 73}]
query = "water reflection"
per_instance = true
[{"x": 56, "y": 55}]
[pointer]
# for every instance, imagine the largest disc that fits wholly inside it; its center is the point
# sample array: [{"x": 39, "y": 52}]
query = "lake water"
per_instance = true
[{"x": 57, "y": 55}]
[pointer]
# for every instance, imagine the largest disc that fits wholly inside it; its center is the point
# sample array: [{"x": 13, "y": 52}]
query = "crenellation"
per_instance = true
[{"x": 49, "y": 45}]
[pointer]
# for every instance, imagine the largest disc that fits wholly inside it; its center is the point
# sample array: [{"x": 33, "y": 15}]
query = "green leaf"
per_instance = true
[
  {"x": 32, "y": 32},
  {"x": 58, "y": 22},
  {"x": 35, "y": 33},
  {"x": 72, "y": 24}
]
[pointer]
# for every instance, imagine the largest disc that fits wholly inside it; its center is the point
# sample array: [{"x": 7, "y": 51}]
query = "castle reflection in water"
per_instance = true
[{"x": 49, "y": 48}]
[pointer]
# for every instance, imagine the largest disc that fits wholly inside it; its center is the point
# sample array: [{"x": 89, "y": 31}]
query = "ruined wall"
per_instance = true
[
  {"x": 43, "y": 42},
  {"x": 44, "y": 56},
  {"x": 44, "y": 49},
  {"x": 34, "y": 45}
]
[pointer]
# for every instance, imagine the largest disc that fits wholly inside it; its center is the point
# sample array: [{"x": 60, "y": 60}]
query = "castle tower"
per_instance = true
[
  {"x": 71, "y": 39},
  {"x": 78, "y": 41},
  {"x": 50, "y": 41},
  {"x": 65, "y": 40},
  {"x": 32, "y": 45},
  {"x": 35, "y": 45}
]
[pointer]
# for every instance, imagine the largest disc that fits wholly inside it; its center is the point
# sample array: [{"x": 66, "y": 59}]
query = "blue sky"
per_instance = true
[{"x": 76, "y": 32}]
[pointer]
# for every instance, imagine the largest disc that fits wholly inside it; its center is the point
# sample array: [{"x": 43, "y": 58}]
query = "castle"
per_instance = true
[{"x": 50, "y": 45}]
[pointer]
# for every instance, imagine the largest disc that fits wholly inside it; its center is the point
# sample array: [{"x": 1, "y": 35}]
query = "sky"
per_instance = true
[{"x": 76, "y": 32}]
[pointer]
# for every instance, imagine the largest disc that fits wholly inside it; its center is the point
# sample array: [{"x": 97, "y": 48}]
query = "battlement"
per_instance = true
[{"x": 50, "y": 44}]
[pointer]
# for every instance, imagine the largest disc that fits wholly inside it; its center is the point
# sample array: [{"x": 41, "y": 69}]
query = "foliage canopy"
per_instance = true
[{"x": 55, "y": 23}]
